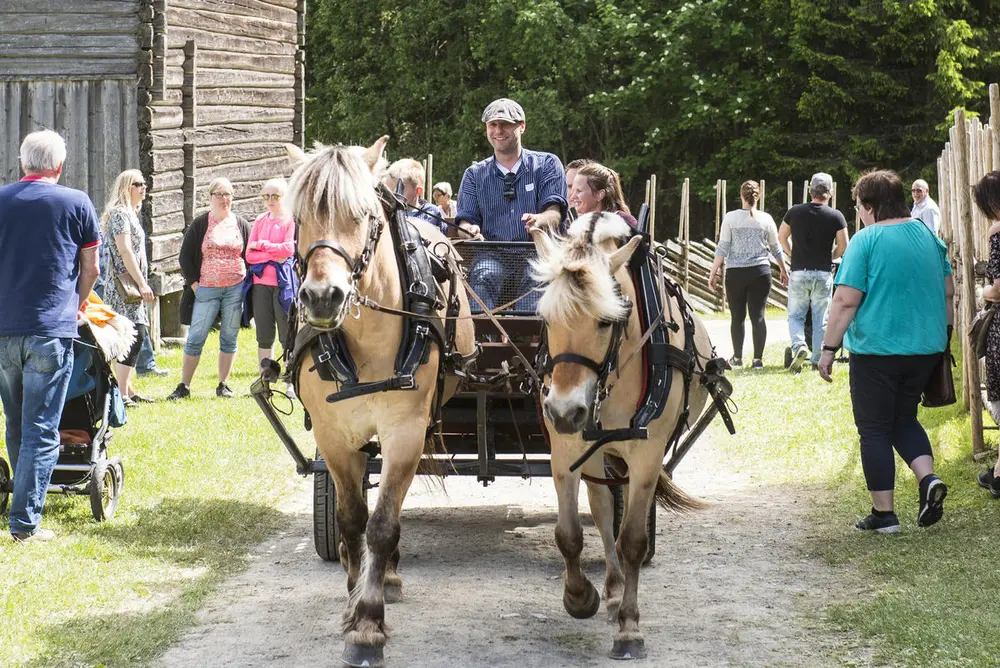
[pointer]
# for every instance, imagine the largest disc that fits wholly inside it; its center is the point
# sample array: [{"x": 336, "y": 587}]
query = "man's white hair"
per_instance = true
[
  {"x": 920, "y": 183},
  {"x": 42, "y": 151}
]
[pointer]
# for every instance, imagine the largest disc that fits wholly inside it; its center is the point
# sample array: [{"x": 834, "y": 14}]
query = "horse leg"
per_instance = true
[
  {"x": 352, "y": 511},
  {"x": 602, "y": 510},
  {"x": 632, "y": 545},
  {"x": 580, "y": 597},
  {"x": 392, "y": 584},
  {"x": 364, "y": 620}
]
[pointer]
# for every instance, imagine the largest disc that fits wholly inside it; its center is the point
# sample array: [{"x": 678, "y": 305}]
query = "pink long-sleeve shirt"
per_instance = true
[{"x": 271, "y": 238}]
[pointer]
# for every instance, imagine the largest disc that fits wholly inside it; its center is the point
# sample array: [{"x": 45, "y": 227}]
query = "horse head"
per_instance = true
[
  {"x": 581, "y": 303},
  {"x": 333, "y": 196}
]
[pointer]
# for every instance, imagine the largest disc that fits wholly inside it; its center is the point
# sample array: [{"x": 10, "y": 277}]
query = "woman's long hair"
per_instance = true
[
  {"x": 604, "y": 178},
  {"x": 750, "y": 192},
  {"x": 120, "y": 196}
]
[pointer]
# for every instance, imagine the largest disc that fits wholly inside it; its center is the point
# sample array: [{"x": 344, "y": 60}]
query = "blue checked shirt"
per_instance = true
[
  {"x": 430, "y": 213},
  {"x": 540, "y": 183}
]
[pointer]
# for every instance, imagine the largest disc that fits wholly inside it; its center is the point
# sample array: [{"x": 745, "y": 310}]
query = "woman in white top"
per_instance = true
[{"x": 441, "y": 194}]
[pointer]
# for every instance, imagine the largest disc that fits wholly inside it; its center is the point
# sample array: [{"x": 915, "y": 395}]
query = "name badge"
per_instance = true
[{"x": 528, "y": 187}]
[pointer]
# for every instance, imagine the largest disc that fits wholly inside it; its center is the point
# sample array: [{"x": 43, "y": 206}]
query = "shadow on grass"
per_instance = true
[{"x": 199, "y": 541}]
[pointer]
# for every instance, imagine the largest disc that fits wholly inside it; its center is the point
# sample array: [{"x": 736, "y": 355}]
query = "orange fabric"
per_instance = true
[{"x": 96, "y": 312}]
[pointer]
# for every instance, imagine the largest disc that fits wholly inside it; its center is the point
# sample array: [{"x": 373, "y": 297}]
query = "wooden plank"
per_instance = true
[
  {"x": 216, "y": 78},
  {"x": 166, "y": 181},
  {"x": 96, "y": 143},
  {"x": 41, "y": 23},
  {"x": 218, "y": 135},
  {"x": 90, "y": 7},
  {"x": 232, "y": 114},
  {"x": 57, "y": 42},
  {"x": 166, "y": 160},
  {"x": 246, "y": 171},
  {"x": 76, "y": 152},
  {"x": 165, "y": 139},
  {"x": 10, "y": 139},
  {"x": 168, "y": 223},
  {"x": 112, "y": 129},
  {"x": 41, "y": 105},
  {"x": 130, "y": 126},
  {"x": 189, "y": 85},
  {"x": 179, "y": 34},
  {"x": 165, "y": 203},
  {"x": 164, "y": 276},
  {"x": 165, "y": 245},
  {"x": 165, "y": 117},
  {"x": 63, "y": 68},
  {"x": 211, "y": 156},
  {"x": 266, "y": 10},
  {"x": 232, "y": 60},
  {"x": 29, "y": 51},
  {"x": 231, "y": 24},
  {"x": 250, "y": 97}
]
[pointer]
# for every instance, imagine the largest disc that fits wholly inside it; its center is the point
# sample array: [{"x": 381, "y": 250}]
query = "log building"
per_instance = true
[{"x": 185, "y": 90}]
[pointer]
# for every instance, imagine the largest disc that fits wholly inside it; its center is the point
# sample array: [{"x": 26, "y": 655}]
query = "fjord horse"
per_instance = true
[
  {"x": 588, "y": 289},
  {"x": 333, "y": 196}
]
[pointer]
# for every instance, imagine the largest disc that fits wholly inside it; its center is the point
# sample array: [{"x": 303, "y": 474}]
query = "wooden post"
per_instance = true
[
  {"x": 942, "y": 179},
  {"x": 968, "y": 292},
  {"x": 995, "y": 122},
  {"x": 652, "y": 209},
  {"x": 686, "y": 231},
  {"x": 789, "y": 195},
  {"x": 647, "y": 193},
  {"x": 805, "y": 191},
  {"x": 299, "y": 113},
  {"x": 189, "y": 122},
  {"x": 723, "y": 197},
  {"x": 833, "y": 196},
  {"x": 718, "y": 207},
  {"x": 760, "y": 204},
  {"x": 429, "y": 178}
]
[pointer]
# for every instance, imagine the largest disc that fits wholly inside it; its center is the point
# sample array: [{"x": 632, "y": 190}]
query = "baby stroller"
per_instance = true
[{"x": 93, "y": 406}]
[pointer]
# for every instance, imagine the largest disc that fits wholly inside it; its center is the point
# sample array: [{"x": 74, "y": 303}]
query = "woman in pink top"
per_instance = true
[{"x": 272, "y": 240}]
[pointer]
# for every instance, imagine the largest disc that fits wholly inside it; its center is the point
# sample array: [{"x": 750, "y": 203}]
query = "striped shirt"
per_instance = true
[
  {"x": 746, "y": 239},
  {"x": 540, "y": 183}
]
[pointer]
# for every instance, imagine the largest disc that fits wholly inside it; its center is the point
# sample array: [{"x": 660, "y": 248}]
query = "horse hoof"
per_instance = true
[
  {"x": 628, "y": 650},
  {"x": 392, "y": 593},
  {"x": 362, "y": 656},
  {"x": 588, "y": 609}
]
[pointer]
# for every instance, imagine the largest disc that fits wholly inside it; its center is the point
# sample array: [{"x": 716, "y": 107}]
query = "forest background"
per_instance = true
[{"x": 710, "y": 89}]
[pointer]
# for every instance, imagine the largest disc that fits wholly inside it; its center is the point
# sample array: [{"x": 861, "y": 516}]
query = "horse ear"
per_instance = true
[
  {"x": 374, "y": 152},
  {"x": 622, "y": 255},
  {"x": 296, "y": 156},
  {"x": 543, "y": 243}
]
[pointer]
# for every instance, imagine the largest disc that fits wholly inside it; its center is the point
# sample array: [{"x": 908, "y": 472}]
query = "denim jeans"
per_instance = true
[
  {"x": 808, "y": 289},
  {"x": 147, "y": 360},
  {"x": 491, "y": 270},
  {"x": 34, "y": 378},
  {"x": 207, "y": 304}
]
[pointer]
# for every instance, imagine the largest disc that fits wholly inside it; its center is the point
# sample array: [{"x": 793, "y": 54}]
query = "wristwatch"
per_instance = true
[{"x": 832, "y": 349}]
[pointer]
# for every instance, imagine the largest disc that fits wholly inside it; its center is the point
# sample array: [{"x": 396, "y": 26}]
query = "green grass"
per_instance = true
[
  {"x": 930, "y": 594},
  {"x": 204, "y": 481}
]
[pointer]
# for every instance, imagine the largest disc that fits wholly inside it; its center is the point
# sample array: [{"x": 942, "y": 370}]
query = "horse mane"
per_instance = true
[
  {"x": 576, "y": 273},
  {"x": 334, "y": 183}
]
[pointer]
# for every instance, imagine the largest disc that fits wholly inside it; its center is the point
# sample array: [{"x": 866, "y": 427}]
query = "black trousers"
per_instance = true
[
  {"x": 133, "y": 353},
  {"x": 885, "y": 391},
  {"x": 747, "y": 289}
]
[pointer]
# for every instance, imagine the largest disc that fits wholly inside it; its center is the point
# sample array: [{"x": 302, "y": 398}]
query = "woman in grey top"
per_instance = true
[{"x": 746, "y": 239}]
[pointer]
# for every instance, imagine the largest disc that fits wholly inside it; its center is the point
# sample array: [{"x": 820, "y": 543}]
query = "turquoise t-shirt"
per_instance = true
[{"x": 901, "y": 270}]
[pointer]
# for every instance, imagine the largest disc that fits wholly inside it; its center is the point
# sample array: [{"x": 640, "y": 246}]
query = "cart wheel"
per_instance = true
[
  {"x": 788, "y": 357},
  {"x": 618, "y": 494},
  {"x": 4, "y": 485},
  {"x": 104, "y": 487},
  {"x": 326, "y": 533}
]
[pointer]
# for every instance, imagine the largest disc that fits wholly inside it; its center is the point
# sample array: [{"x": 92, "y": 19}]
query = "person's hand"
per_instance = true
[
  {"x": 826, "y": 366},
  {"x": 472, "y": 231},
  {"x": 146, "y": 292},
  {"x": 81, "y": 313},
  {"x": 531, "y": 221},
  {"x": 783, "y": 277},
  {"x": 194, "y": 287},
  {"x": 713, "y": 281},
  {"x": 252, "y": 245}
]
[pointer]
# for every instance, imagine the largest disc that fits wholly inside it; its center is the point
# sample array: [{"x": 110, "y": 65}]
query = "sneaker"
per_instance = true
[
  {"x": 815, "y": 366},
  {"x": 39, "y": 536},
  {"x": 139, "y": 399},
  {"x": 879, "y": 524},
  {"x": 223, "y": 391},
  {"x": 180, "y": 392},
  {"x": 757, "y": 364},
  {"x": 990, "y": 482},
  {"x": 799, "y": 359},
  {"x": 152, "y": 372},
  {"x": 931, "y": 501},
  {"x": 735, "y": 361},
  {"x": 128, "y": 403}
]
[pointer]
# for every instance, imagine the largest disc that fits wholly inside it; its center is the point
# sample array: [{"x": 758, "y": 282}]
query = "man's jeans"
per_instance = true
[
  {"x": 34, "y": 378},
  {"x": 808, "y": 289},
  {"x": 489, "y": 274}
]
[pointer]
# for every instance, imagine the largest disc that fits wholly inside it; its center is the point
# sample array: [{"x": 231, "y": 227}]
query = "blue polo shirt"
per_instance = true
[
  {"x": 43, "y": 227},
  {"x": 540, "y": 183}
]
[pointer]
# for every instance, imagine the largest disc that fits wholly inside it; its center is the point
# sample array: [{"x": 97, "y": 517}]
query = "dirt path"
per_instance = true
[{"x": 482, "y": 586}]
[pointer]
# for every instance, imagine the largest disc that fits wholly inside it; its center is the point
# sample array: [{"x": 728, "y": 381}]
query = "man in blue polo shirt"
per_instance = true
[
  {"x": 48, "y": 264},
  {"x": 503, "y": 196}
]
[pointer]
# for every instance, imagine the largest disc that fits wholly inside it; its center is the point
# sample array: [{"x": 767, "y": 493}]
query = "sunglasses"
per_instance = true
[
  {"x": 509, "y": 193},
  {"x": 268, "y": 196}
]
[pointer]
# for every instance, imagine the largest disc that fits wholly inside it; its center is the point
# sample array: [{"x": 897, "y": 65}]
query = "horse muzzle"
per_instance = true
[
  {"x": 324, "y": 305},
  {"x": 567, "y": 416}
]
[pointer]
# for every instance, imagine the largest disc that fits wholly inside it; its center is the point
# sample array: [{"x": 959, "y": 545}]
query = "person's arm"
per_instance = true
[
  {"x": 721, "y": 251},
  {"x": 549, "y": 219},
  {"x": 552, "y": 202},
  {"x": 469, "y": 217},
  {"x": 840, "y": 243},
  {"x": 90, "y": 269},
  {"x": 785, "y": 237},
  {"x": 124, "y": 246},
  {"x": 190, "y": 249},
  {"x": 843, "y": 308},
  {"x": 713, "y": 276},
  {"x": 775, "y": 247}
]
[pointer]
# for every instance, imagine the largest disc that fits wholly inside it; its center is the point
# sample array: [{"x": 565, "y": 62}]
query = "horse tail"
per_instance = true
[
  {"x": 429, "y": 466},
  {"x": 671, "y": 497}
]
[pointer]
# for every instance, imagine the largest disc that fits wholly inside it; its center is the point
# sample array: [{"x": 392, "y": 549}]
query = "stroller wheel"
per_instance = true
[
  {"x": 4, "y": 485},
  {"x": 105, "y": 485}
]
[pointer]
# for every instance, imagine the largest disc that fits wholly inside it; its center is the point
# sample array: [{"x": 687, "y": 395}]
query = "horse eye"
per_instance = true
[{"x": 603, "y": 324}]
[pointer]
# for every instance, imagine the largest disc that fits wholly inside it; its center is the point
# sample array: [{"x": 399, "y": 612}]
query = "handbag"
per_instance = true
[
  {"x": 979, "y": 328},
  {"x": 940, "y": 388},
  {"x": 128, "y": 288}
]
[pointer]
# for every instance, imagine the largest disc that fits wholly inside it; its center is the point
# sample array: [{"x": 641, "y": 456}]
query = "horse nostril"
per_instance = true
[
  {"x": 578, "y": 416},
  {"x": 336, "y": 297}
]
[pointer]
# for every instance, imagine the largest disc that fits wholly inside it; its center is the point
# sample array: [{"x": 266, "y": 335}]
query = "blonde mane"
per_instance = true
[
  {"x": 576, "y": 274},
  {"x": 334, "y": 184}
]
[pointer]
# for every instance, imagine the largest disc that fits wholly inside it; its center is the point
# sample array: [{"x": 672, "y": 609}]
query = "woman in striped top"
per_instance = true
[{"x": 746, "y": 239}]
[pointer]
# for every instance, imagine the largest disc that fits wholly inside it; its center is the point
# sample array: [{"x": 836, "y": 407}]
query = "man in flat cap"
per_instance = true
[{"x": 505, "y": 194}]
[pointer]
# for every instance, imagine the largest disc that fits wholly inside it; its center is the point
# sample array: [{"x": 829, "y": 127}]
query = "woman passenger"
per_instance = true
[
  {"x": 598, "y": 188},
  {"x": 211, "y": 260}
]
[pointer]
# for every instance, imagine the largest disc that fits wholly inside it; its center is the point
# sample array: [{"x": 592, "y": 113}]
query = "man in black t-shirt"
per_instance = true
[{"x": 807, "y": 235}]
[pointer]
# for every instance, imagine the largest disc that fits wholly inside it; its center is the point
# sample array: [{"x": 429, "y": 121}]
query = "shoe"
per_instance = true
[
  {"x": 128, "y": 403},
  {"x": 139, "y": 399},
  {"x": 879, "y": 524},
  {"x": 735, "y": 361},
  {"x": 931, "y": 501},
  {"x": 39, "y": 536},
  {"x": 152, "y": 372},
  {"x": 799, "y": 359},
  {"x": 757, "y": 364},
  {"x": 815, "y": 366},
  {"x": 180, "y": 392},
  {"x": 990, "y": 482},
  {"x": 223, "y": 391}
]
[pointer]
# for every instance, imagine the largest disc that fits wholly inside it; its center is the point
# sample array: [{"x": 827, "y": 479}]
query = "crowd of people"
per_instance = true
[{"x": 891, "y": 308}]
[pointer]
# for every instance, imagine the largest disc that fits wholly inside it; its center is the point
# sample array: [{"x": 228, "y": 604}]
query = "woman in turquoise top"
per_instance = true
[{"x": 894, "y": 303}]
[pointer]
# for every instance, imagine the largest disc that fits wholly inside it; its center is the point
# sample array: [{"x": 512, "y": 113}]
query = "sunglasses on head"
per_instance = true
[{"x": 508, "y": 186}]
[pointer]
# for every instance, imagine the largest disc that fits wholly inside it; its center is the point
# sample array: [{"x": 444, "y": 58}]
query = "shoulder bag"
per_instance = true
[
  {"x": 128, "y": 288},
  {"x": 979, "y": 329}
]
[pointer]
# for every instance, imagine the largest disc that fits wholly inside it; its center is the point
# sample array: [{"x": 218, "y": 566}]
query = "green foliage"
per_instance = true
[{"x": 704, "y": 89}]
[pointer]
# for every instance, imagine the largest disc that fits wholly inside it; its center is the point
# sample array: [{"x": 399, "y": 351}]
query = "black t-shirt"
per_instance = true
[{"x": 814, "y": 228}]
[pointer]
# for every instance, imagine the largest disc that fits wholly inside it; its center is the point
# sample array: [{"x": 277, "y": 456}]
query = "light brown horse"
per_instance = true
[
  {"x": 333, "y": 196},
  {"x": 580, "y": 303}
]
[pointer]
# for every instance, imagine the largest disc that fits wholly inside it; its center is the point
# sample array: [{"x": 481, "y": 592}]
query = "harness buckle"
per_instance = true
[
  {"x": 324, "y": 357},
  {"x": 406, "y": 382}
]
